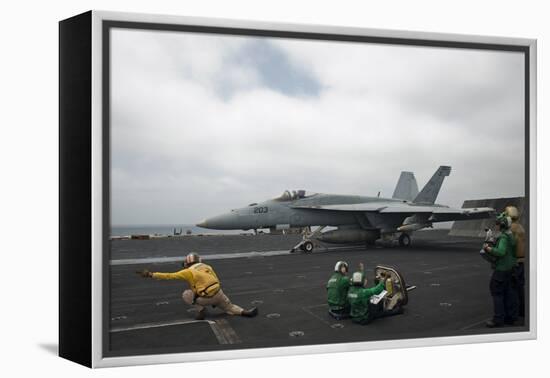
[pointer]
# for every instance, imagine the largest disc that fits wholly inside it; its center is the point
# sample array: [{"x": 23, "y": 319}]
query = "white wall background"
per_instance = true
[{"x": 28, "y": 148}]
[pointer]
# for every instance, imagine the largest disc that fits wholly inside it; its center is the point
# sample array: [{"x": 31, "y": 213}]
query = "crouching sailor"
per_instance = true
[
  {"x": 362, "y": 310},
  {"x": 337, "y": 291},
  {"x": 205, "y": 288}
]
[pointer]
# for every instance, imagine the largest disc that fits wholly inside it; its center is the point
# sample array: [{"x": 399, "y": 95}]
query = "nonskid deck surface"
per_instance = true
[{"x": 147, "y": 316}]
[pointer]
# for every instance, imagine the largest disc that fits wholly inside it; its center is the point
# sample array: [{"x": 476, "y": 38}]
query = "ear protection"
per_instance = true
[{"x": 503, "y": 221}]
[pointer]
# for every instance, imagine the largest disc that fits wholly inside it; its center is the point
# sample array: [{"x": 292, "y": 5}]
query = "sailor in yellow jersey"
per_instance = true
[{"x": 205, "y": 288}]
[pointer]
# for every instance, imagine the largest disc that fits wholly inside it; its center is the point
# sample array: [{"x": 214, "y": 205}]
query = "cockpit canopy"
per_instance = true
[{"x": 293, "y": 195}]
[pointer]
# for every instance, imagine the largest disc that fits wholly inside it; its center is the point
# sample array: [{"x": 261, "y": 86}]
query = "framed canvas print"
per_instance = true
[{"x": 235, "y": 189}]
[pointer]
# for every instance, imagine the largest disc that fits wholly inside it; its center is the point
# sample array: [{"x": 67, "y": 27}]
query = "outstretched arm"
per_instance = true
[
  {"x": 183, "y": 274},
  {"x": 375, "y": 290}
]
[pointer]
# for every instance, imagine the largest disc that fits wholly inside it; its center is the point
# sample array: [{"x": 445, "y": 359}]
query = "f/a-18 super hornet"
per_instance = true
[{"x": 358, "y": 219}]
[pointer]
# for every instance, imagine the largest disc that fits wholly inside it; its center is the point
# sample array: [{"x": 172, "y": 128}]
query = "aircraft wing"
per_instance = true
[
  {"x": 435, "y": 213},
  {"x": 358, "y": 207}
]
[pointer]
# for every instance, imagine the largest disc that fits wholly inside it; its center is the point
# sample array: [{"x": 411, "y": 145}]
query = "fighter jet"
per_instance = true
[{"x": 357, "y": 219}]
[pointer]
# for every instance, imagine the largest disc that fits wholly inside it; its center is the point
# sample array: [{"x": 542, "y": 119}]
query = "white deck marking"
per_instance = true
[
  {"x": 152, "y": 260},
  {"x": 157, "y": 325},
  {"x": 224, "y": 333},
  {"x": 217, "y": 256},
  {"x": 227, "y": 332}
]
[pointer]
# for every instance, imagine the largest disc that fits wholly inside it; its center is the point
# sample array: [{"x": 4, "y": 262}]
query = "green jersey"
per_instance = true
[
  {"x": 359, "y": 298},
  {"x": 505, "y": 251},
  {"x": 337, "y": 291}
]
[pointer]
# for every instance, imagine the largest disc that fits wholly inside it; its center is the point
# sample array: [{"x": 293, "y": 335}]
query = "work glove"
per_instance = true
[{"x": 145, "y": 273}]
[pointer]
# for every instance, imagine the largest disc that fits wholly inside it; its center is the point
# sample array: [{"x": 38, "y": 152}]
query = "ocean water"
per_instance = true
[{"x": 166, "y": 229}]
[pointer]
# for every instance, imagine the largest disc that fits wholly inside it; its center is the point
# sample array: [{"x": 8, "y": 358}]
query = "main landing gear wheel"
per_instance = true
[
  {"x": 307, "y": 247},
  {"x": 404, "y": 240}
]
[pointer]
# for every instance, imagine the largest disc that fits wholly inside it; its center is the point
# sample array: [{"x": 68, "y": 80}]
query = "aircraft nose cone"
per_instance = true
[{"x": 220, "y": 222}]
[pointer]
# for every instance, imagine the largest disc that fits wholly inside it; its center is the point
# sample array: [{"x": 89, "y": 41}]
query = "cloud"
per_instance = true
[
  {"x": 275, "y": 70},
  {"x": 204, "y": 123}
]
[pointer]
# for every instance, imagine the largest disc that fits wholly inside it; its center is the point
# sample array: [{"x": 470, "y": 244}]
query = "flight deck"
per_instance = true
[{"x": 148, "y": 316}]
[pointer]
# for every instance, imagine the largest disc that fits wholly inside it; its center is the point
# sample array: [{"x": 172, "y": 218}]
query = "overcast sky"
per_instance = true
[{"x": 201, "y": 124}]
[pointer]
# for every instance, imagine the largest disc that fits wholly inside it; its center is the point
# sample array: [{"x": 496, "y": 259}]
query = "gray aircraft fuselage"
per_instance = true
[
  {"x": 356, "y": 218},
  {"x": 279, "y": 213}
]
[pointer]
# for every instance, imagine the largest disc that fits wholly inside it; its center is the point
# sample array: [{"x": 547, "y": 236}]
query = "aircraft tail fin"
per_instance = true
[
  {"x": 406, "y": 188},
  {"x": 430, "y": 191}
]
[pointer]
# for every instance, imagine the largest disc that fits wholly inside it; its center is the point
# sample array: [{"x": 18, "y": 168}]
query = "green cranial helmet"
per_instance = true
[
  {"x": 339, "y": 265},
  {"x": 357, "y": 279},
  {"x": 503, "y": 221}
]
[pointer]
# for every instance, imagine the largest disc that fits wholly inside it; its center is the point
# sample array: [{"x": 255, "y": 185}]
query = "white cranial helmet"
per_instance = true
[{"x": 341, "y": 264}]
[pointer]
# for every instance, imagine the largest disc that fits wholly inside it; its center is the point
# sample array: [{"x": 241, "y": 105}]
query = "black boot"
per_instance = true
[
  {"x": 250, "y": 313},
  {"x": 510, "y": 322},
  {"x": 492, "y": 324}
]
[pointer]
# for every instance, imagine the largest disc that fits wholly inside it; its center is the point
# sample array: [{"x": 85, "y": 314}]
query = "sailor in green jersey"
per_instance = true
[
  {"x": 362, "y": 311},
  {"x": 337, "y": 291},
  {"x": 505, "y": 301}
]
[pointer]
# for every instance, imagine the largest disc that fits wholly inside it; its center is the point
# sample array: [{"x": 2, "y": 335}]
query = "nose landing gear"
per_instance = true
[
  {"x": 307, "y": 244},
  {"x": 307, "y": 247},
  {"x": 404, "y": 240}
]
